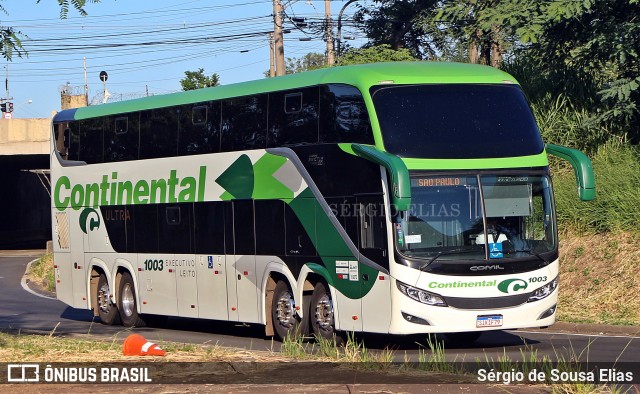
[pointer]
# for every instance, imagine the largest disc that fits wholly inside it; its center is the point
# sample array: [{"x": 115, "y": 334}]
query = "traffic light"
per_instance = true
[
  {"x": 9, "y": 107},
  {"x": 3, "y": 106}
]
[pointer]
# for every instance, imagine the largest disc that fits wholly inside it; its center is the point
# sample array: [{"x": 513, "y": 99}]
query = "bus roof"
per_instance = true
[{"x": 362, "y": 76}]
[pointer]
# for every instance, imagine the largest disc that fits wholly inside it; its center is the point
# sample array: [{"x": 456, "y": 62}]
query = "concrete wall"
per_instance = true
[{"x": 25, "y": 136}]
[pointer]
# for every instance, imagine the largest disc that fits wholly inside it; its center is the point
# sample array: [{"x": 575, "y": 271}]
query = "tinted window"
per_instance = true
[
  {"x": 270, "y": 232},
  {"x": 74, "y": 141},
  {"x": 159, "y": 133},
  {"x": 121, "y": 138},
  {"x": 293, "y": 117},
  {"x": 343, "y": 115},
  {"x": 209, "y": 225},
  {"x": 243, "y": 227},
  {"x": 91, "y": 131},
  {"x": 117, "y": 220},
  {"x": 175, "y": 228},
  {"x": 145, "y": 223},
  {"x": 244, "y": 123},
  {"x": 456, "y": 121},
  {"x": 200, "y": 129},
  {"x": 372, "y": 228}
]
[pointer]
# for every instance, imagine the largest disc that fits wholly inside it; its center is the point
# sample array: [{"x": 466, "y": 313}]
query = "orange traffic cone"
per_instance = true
[{"x": 136, "y": 345}]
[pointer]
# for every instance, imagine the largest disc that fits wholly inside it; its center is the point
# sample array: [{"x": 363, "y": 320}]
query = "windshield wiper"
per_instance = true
[
  {"x": 529, "y": 251},
  {"x": 447, "y": 252}
]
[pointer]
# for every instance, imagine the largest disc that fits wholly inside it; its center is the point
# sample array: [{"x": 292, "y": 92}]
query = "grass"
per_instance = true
[
  {"x": 42, "y": 272},
  {"x": 52, "y": 348}
]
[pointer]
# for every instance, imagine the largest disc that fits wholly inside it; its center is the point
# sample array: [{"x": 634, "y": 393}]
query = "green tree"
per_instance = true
[
  {"x": 374, "y": 54},
  {"x": 398, "y": 24},
  {"x": 310, "y": 61},
  {"x": 11, "y": 39},
  {"x": 197, "y": 80}
]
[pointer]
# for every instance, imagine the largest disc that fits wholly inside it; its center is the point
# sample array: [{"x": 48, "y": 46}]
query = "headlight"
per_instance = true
[
  {"x": 544, "y": 291},
  {"x": 422, "y": 296}
]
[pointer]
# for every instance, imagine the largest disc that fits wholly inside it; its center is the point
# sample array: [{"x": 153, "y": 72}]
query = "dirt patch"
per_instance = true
[{"x": 599, "y": 279}]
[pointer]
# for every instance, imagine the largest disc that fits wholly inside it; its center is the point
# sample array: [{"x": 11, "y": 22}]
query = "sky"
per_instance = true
[{"x": 146, "y": 46}]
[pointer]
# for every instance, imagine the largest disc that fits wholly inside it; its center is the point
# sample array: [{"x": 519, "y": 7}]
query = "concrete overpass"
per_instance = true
[{"x": 25, "y": 221}]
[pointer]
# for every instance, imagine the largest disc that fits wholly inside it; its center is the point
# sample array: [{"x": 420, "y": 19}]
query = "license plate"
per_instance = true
[{"x": 489, "y": 321}]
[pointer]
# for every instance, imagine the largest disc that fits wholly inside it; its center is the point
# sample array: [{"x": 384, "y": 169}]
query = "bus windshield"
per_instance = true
[
  {"x": 456, "y": 121},
  {"x": 446, "y": 221}
]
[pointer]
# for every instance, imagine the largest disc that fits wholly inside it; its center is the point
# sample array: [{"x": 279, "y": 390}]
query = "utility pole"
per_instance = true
[
  {"x": 272, "y": 65},
  {"x": 86, "y": 84},
  {"x": 278, "y": 37},
  {"x": 327, "y": 14}
]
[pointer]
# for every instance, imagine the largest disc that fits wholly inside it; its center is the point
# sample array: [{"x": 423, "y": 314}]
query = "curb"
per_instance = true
[{"x": 25, "y": 284}]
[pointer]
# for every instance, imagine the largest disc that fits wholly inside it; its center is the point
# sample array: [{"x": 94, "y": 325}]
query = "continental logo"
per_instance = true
[
  {"x": 90, "y": 217},
  {"x": 111, "y": 191},
  {"x": 512, "y": 285}
]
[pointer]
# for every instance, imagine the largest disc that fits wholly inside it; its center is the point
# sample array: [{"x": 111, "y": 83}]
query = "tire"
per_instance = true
[
  {"x": 463, "y": 338},
  {"x": 107, "y": 310},
  {"x": 321, "y": 314},
  {"x": 283, "y": 313},
  {"x": 127, "y": 303}
]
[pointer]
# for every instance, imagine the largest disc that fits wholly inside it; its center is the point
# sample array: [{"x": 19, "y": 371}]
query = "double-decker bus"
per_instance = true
[{"x": 394, "y": 198}]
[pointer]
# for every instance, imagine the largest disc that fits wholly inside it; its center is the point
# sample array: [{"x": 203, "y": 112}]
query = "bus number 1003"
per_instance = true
[{"x": 153, "y": 265}]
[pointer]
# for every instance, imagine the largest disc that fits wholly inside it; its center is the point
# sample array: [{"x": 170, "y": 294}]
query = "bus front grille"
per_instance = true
[{"x": 487, "y": 303}]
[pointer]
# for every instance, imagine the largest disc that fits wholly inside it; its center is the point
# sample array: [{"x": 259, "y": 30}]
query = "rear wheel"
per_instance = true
[
  {"x": 107, "y": 309},
  {"x": 283, "y": 313},
  {"x": 322, "y": 314},
  {"x": 127, "y": 304}
]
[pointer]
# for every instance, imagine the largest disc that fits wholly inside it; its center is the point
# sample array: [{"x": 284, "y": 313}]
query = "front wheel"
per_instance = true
[
  {"x": 107, "y": 310},
  {"x": 322, "y": 314},
  {"x": 127, "y": 304}
]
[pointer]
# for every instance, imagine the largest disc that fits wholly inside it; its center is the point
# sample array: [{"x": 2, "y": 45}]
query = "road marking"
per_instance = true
[
  {"x": 23, "y": 282},
  {"x": 575, "y": 334}
]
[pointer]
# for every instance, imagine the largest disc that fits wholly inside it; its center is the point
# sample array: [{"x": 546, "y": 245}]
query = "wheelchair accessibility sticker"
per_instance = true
[{"x": 495, "y": 251}]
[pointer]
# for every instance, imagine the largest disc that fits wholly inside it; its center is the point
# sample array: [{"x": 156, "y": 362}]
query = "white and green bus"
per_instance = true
[{"x": 395, "y": 198}]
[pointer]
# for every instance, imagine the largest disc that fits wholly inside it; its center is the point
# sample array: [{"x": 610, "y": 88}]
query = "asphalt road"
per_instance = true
[{"x": 23, "y": 311}]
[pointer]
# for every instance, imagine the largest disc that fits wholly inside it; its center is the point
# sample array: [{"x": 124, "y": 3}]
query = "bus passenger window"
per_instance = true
[
  {"x": 175, "y": 228},
  {"x": 270, "y": 233},
  {"x": 244, "y": 123},
  {"x": 199, "y": 129},
  {"x": 159, "y": 133},
  {"x": 91, "y": 134},
  {"x": 122, "y": 139},
  {"x": 293, "y": 117},
  {"x": 344, "y": 116}
]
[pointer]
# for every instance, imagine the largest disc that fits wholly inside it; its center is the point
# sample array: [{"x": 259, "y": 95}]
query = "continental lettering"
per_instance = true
[
  {"x": 459, "y": 284},
  {"x": 111, "y": 191}
]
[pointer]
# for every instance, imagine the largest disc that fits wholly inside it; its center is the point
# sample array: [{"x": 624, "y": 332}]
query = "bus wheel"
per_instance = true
[
  {"x": 322, "y": 314},
  {"x": 127, "y": 302},
  {"x": 107, "y": 310},
  {"x": 283, "y": 312},
  {"x": 463, "y": 338}
]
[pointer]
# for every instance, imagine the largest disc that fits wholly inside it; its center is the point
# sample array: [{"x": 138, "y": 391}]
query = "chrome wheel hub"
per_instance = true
[
  {"x": 285, "y": 310},
  {"x": 324, "y": 312},
  {"x": 128, "y": 302},
  {"x": 104, "y": 298}
]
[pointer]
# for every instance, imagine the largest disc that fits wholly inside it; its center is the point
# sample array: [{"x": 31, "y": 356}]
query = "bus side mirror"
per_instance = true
[
  {"x": 397, "y": 171},
  {"x": 582, "y": 168}
]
